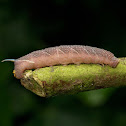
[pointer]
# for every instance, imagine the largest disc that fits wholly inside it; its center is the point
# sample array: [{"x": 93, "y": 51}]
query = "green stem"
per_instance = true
[{"x": 70, "y": 79}]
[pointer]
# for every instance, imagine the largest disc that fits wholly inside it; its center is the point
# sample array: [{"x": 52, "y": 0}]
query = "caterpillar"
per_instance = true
[{"x": 64, "y": 54}]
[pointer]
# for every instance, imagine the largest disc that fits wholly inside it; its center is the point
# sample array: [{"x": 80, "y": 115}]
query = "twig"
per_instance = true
[{"x": 70, "y": 79}]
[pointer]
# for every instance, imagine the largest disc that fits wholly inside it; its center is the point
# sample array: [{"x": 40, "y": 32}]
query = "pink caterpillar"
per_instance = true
[{"x": 65, "y": 54}]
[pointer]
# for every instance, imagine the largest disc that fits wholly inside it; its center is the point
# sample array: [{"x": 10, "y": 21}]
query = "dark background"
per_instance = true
[{"x": 28, "y": 25}]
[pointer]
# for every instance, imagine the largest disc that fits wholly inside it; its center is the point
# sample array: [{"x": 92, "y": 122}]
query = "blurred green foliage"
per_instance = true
[{"x": 26, "y": 26}]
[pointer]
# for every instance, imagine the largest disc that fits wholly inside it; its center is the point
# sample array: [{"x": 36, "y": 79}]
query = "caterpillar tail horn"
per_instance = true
[{"x": 12, "y": 60}]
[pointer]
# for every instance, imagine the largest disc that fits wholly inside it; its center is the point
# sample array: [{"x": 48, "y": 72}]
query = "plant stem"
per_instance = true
[{"x": 70, "y": 79}]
